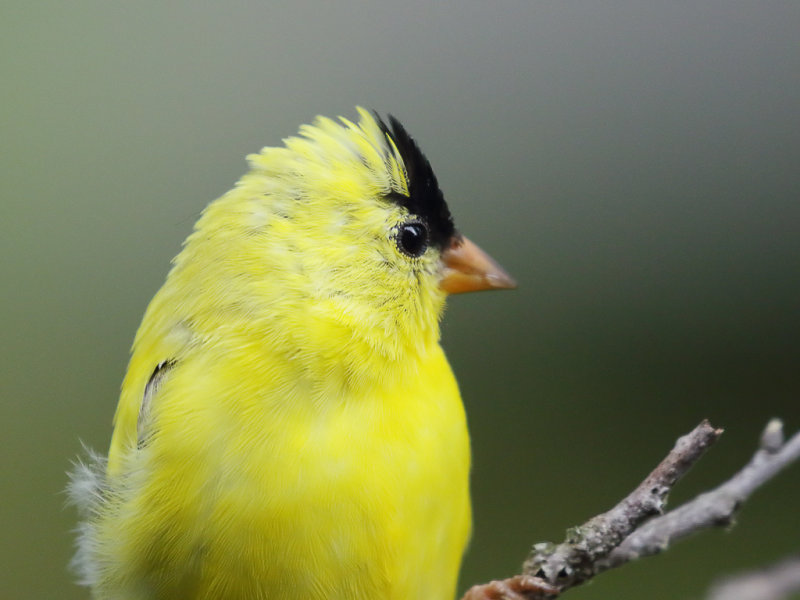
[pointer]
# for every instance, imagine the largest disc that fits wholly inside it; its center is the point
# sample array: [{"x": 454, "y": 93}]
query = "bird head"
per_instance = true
[{"x": 340, "y": 238}]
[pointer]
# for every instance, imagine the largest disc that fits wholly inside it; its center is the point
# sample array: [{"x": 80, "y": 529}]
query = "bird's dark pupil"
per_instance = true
[{"x": 414, "y": 239}]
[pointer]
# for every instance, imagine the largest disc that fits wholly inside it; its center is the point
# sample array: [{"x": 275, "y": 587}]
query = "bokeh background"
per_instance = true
[{"x": 635, "y": 164}]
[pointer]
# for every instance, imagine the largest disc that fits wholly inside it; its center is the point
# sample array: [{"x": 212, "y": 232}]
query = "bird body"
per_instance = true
[{"x": 289, "y": 426}]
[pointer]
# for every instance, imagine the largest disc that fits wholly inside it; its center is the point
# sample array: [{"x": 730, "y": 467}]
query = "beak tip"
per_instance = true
[
  {"x": 501, "y": 281},
  {"x": 508, "y": 283}
]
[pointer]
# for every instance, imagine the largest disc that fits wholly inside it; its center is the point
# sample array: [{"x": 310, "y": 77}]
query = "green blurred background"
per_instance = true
[{"x": 636, "y": 166}]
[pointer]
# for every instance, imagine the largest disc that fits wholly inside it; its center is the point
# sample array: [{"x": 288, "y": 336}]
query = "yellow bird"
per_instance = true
[{"x": 289, "y": 427}]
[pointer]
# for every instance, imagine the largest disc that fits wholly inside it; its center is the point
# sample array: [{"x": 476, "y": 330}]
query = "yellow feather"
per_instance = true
[{"x": 305, "y": 437}]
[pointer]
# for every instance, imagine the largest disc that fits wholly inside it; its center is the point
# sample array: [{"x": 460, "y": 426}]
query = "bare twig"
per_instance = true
[
  {"x": 714, "y": 508},
  {"x": 578, "y": 558},
  {"x": 776, "y": 582},
  {"x": 631, "y": 529}
]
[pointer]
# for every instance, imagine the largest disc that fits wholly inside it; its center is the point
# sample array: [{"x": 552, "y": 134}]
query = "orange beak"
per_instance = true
[{"x": 467, "y": 268}]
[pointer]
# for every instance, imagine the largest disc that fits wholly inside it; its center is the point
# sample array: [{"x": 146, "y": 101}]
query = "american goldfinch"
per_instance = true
[{"x": 289, "y": 427}]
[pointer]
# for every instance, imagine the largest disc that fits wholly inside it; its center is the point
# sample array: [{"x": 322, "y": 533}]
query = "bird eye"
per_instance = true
[{"x": 412, "y": 238}]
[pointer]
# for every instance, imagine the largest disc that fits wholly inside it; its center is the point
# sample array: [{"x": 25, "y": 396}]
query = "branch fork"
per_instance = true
[{"x": 638, "y": 526}]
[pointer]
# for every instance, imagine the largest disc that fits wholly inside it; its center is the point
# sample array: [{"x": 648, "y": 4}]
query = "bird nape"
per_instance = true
[{"x": 289, "y": 426}]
